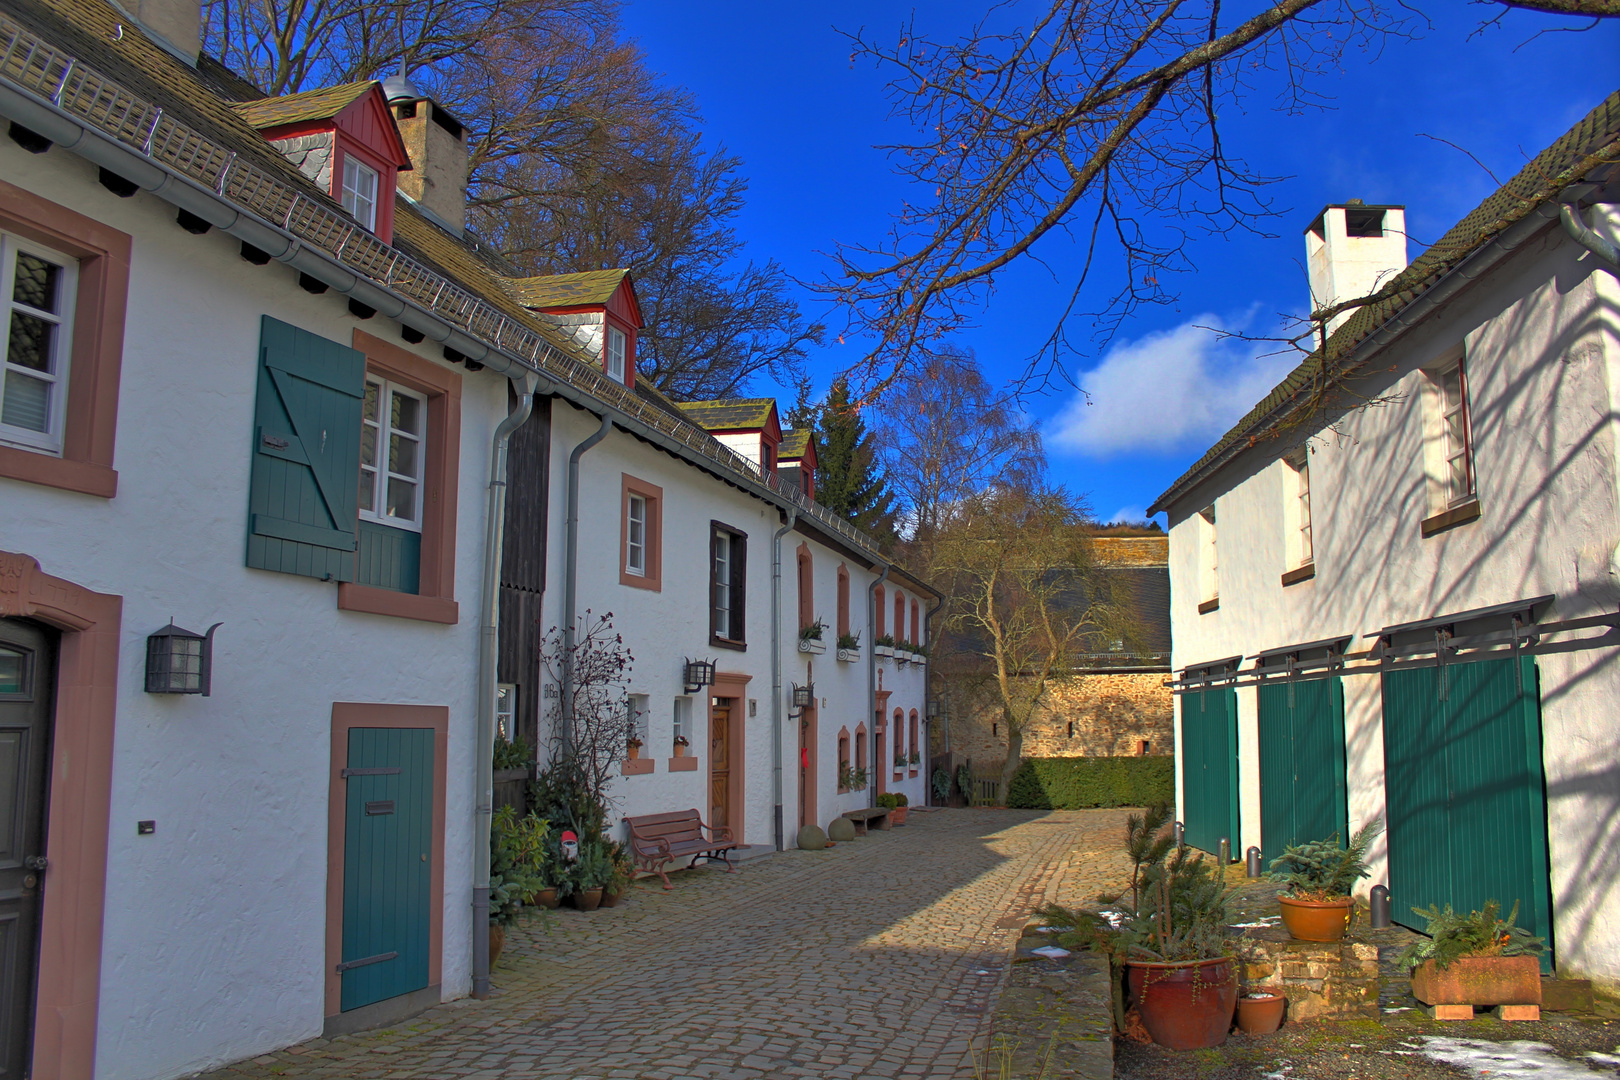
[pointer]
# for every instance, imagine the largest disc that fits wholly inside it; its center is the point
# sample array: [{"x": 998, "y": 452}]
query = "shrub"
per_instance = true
[
  {"x": 886, "y": 801},
  {"x": 1079, "y": 783},
  {"x": 900, "y": 799},
  {"x": 1479, "y": 933},
  {"x": 1323, "y": 870},
  {"x": 942, "y": 785}
]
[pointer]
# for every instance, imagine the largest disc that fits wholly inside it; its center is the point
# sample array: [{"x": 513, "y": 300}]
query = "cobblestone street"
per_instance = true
[{"x": 878, "y": 958}]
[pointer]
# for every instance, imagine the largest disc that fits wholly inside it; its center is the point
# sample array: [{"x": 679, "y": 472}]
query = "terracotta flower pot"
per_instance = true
[
  {"x": 546, "y": 898},
  {"x": 635, "y": 751},
  {"x": 897, "y": 816},
  {"x": 611, "y": 897},
  {"x": 588, "y": 899},
  {"x": 497, "y": 942},
  {"x": 1479, "y": 980},
  {"x": 1185, "y": 1006},
  {"x": 680, "y": 749},
  {"x": 1260, "y": 1015},
  {"x": 1315, "y": 920}
]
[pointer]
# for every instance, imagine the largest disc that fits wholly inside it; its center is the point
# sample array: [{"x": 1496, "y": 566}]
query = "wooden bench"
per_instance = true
[
  {"x": 864, "y": 818},
  {"x": 658, "y": 839}
]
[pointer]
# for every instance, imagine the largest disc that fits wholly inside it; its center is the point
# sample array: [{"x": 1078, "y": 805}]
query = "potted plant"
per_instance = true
[
  {"x": 899, "y": 761},
  {"x": 1475, "y": 959},
  {"x": 1317, "y": 877},
  {"x": 916, "y": 757},
  {"x": 633, "y": 747},
  {"x": 591, "y": 872},
  {"x": 622, "y": 871},
  {"x": 1260, "y": 1011},
  {"x": 849, "y": 647},
  {"x": 810, "y": 638},
  {"x": 883, "y": 646},
  {"x": 681, "y": 743},
  {"x": 850, "y": 779},
  {"x": 516, "y": 855},
  {"x": 1166, "y": 936},
  {"x": 897, "y": 816}
]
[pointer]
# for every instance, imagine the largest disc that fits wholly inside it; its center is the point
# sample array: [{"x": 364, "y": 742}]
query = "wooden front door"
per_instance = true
[
  {"x": 720, "y": 766},
  {"x": 387, "y": 863},
  {"x": 27, "y": 679}
]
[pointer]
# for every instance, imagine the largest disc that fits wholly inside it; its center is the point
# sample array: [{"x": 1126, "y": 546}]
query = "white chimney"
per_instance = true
[
  {"x": 1353, "y": 250},
  {"x": 174, "y": 24}
]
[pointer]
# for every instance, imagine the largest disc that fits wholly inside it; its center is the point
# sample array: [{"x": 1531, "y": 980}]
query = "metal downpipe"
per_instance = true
[
  {"x": 777, "y": 743},
  {"x": 570, "y": 576},
  {"x": 871, "y": 685},
  {"x": 928, "y": 689},
  {"x": 488, "y": 639},
  {"x": 1578, "y": 231}
]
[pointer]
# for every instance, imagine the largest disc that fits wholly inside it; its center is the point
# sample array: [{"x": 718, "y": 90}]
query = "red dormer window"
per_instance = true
[{"x": 597, "y": 307}]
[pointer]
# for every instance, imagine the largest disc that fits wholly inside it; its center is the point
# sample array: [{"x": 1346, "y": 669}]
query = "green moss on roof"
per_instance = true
[
  {"x": 794, "y": 444},
  {"x": 322, "y": 104},
  {"x": 738, "y": 415},
  {"x": 566, "y": 290},
  {"x": 1590, "y": 144}
]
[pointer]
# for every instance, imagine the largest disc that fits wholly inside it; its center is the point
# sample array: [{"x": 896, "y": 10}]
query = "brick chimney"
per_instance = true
[
  {"x": 437, "y": 142},
  {"x": 174, "y": 24},
  {"x": 1352, "y": 250}
]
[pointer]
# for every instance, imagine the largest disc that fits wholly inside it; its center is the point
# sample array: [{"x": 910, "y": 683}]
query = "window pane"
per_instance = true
[
  {"x": 11, "y": 672},
  {"x": 368, "y": 445},
  {"x": 369, "y": 410},
  {"x": 402, "y": 454},
  {"x": 27, "y": 402},
  {"x": 30, "y": 341},
  {"x": 406, "y": 414},
  {"x": 401, "y": 499},
  {"x": 36, "y": 282},
  {"x": 368, "y": 490}
]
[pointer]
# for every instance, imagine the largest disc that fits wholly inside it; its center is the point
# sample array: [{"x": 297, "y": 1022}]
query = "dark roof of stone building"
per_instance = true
[{"x": 1590, "y": 145}]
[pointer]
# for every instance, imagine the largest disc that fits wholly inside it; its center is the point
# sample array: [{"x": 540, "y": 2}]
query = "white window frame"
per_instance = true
[
  {"x": 615, "y": 350},
  {"x": 720, "y": 577},
  {"x": 682, "y": 719},
  {"x": 1209, "y": 568},
  {"x": 354, "y": 197},
  {"x": 635, "y": 535},
  {"x": 49, "y": 440},
  {"x": 506, "y": 711},
  {"x": 1301, "y": 547},
  {"x": 379, "y": 473},
  {"x": 638, "y": 706},
  {"x": 1456, "y": 434}
]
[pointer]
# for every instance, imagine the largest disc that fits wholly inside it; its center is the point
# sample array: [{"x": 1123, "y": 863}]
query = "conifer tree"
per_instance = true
[{"x": 849, "y": 480}]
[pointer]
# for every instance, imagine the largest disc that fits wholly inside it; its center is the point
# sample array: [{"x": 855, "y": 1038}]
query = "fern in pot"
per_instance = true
[
  {"x": 1318, "y": 877},
  {"x": 1476, "y": 959}
]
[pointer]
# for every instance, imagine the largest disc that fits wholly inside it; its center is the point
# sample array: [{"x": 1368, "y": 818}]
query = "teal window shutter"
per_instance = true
[{"x": 303, "y": 497}]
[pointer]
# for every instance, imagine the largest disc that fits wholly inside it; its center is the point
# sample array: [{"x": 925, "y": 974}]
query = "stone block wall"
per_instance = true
[
  {"x": 1094, "y": 715},
  {"x": 1318, "y": 980}
]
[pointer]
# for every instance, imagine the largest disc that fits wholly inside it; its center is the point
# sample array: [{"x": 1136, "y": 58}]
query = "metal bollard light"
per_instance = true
[
  {"x": 1180, "y": 831},
  {"x": 1225, "y": 851},
  {"x": 1379, "y": 902},
  {"x": 1253, "y": 861}
]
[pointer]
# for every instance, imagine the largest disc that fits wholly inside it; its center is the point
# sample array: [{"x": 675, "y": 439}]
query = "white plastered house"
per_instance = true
[{"x": 1394, "y": 582}]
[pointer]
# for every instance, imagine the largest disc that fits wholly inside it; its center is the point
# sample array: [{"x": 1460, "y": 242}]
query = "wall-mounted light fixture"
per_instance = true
[
  {"x": 936, "y": 709},
  {"x": 698, "y": 674},
  {"x": 804, "y": 697},
  {"x": 179, "y": 661}
]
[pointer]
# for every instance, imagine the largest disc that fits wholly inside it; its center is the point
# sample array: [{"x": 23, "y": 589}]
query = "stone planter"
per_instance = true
[
  {"x": 1480, "y": 980},
  {"x": 849, "y": 656},
  {"x": 1260, "y": 1014},
  {"x": 883, "y": 652},
  {"x": 1312, "y": 920},
  {"x": 812, "y": 645},
  {"x": 1185, "y": 1006},
  {"x": 897, "y": 816}
]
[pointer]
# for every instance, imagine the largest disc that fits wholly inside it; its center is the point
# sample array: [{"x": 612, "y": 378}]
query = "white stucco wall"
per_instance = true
[
  {"x": 1544, "y": 366},
  {"x": 214, "y": 942}
]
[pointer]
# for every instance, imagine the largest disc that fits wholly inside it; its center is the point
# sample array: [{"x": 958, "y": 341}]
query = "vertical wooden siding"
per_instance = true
[
  {"x": 1210, "y": 769},
  {"x": 389, "y": 558},
  {"x": 1302, "y": 768},
  {"x": 523, "y": 565}
]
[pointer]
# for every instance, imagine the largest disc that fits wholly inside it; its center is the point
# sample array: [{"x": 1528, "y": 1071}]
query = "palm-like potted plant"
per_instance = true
[
  {"x": 1318, "y": 877},
  {"x": 1475, "y": 959}
]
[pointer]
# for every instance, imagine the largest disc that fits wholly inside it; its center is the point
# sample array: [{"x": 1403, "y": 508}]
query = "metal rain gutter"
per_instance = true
[
  {"x": 1574, "y": 224},
  {"x": 777, "y": 741},
  {"x": 488, "y": 641}
]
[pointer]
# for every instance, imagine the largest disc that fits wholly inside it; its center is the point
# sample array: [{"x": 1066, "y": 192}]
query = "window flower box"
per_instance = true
[
  {"x": 883, "y": 652},
  {"x": 812, "y": 645},
  {"x": 849, "y": 656}
]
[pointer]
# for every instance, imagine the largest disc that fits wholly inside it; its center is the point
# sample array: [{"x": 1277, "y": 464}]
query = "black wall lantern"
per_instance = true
[
  {"x": 699, "y": 673},
  {"x": 935, "y": 710},
  {"x": 804, "y": 697},
  {"x": 180, "y": 662}
]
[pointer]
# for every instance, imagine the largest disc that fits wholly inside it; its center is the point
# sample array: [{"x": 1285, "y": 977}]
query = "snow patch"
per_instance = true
[{"x": 1516, "y": 1060}]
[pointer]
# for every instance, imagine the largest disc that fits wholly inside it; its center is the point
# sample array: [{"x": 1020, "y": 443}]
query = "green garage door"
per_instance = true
[
  {"x": 387, "y": 863},
  {"x": 1302, "y": 786},
  {"x": 1209, "y": 767},
  {"x": 1463, "y": 777}
]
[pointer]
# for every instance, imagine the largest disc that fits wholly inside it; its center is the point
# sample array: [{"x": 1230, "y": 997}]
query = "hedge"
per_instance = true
[{"x": 1078, "y": 783}]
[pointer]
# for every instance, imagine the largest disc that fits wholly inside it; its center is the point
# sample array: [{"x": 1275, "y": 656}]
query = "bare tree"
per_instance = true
[
  {"x": 594, "y": 739},
  {"x": 1015, "y": 564},
  {"x": 1098, "y": 120},
  {"x": 947, "y": 435}
]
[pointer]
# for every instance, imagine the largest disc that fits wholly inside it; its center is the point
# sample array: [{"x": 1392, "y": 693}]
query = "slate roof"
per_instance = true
[
  {"x": 322, "y": 104},
  {"x": 743, "y": 414},
  {"x": 567, "y": 290},
  {"x": 795, "y": 442},
  {"x": 1589, "y": 145}
]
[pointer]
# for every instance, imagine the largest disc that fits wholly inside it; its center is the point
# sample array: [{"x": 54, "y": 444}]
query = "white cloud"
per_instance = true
[
  {"x": 1166, "y": 390},
  {"x": 1130, "y": 513}
]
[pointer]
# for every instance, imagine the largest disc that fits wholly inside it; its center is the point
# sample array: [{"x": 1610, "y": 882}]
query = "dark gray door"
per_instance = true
[{"x": 27, "y": 678}]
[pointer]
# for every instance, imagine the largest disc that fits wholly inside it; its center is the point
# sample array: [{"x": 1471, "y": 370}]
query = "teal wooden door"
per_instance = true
[
  {"x": 1467, "y": 801},
  {"x": 1210, "y": 767},
  {"x": 1302, "y": 774},
  {"x": 387, "y": 863}
]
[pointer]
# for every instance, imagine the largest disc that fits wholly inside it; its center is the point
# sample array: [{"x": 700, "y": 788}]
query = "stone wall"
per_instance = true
[
  {"x": 1318, "y": 980},
  {"x": 1096, "y": 715}
]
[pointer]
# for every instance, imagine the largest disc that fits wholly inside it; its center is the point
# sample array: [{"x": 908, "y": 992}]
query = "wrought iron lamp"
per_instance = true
[
  {"x": 698, "y": 674},
  {"x": 804, "y": 697},
  {"x": 179, "y": 661},
  {"x": 936, "y": 709}
]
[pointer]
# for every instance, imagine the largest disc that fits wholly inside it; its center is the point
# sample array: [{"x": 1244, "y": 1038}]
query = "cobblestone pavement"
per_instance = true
[{"x": 877, "y": 958}]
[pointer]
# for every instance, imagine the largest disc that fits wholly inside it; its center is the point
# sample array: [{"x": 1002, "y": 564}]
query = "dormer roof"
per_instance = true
[
  {"x": 359, "y": 109},
  {"x": 735, "y": 416},
  {"x": 610, "y": 289},
  {"x": 797, "y": 446}
]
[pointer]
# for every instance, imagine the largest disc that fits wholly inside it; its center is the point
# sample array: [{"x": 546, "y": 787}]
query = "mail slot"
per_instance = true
[{"x": 384, "y": 806}]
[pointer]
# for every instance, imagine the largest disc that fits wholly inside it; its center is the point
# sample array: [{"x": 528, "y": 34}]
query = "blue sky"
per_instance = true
[{"x": 776, "y": 87}]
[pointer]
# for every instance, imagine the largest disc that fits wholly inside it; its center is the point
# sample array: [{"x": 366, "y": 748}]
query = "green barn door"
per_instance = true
[
  {"x": 387, "y": 863},
  {"x": 1467, "y": 805},
  {"x": 1209, "y": 767},
  {"x": 1302, "y": 774}
]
